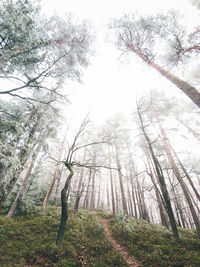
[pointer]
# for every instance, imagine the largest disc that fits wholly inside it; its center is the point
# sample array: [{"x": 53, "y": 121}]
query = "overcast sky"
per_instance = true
[{"x": 111, "y": 85}]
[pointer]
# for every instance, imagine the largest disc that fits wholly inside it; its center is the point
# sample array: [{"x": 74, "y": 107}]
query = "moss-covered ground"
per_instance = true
[
  {"x": 30, "y": 241},
  {"x": 154, "y": 245}
]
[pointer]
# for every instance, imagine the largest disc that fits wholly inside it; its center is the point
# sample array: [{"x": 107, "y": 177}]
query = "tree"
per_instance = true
[
  {"x": 172, "y": 162},
  {"x": 60, "y": 152},
  {"x": 51, "y": 51},
  {"x": 71, "y": 163},
  {"x": 37, "y": 126},
  {"x": 159, "y": 172},
  {"x": 24, "y": 183},
  {"x": 196, "y": 3},
  {"x": 141, "y": 35}
]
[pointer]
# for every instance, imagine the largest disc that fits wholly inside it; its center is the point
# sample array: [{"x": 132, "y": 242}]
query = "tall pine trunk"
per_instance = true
[
  {"x": 185, "y": 87},
  {"x": 124, "y": 203},
  {"x": 161, "y": 179},
  {"x": 168, "y": 149}
]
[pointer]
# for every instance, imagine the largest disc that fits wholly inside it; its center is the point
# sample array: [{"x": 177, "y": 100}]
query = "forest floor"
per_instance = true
[
  {"x": 130, "y": 260},
  {"x": 93, "y": 239}
]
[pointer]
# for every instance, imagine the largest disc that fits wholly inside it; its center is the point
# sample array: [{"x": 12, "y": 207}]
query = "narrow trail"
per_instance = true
[{"x": 130, "y": 260}]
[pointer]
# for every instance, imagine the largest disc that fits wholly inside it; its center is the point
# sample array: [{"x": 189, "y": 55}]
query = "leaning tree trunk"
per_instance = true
[
  {"x": 159, "y": 198},
  {"x": 23, "y": 157},
  {"x": 168, "y": 150},
  {"x": 186, "y": 174},
  {"x": 196, "y": 135},
  {"x": 161, "y": 179},
  {"x": 185, "y": 87},
  {"x": 64, "y": 211},
  {"x": 23, "y": 185}
]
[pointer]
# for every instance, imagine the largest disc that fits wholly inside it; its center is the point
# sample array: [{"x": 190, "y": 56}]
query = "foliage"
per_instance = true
[
  {"x": 121, "y": 219},
  {"x": 154, "y": 245},
  {"x": 31, "y": 241},
  {"x": 51, "y": 51}
]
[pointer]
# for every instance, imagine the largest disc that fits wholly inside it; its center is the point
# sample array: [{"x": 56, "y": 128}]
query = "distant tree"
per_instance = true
[
  {"x": 37, "y": 126},
  {"x": 176, "y": 171},
  {"x": 159, "y": 172},
  {"x": 70, "y": 163},
  {"x": 196, "y": 3}
]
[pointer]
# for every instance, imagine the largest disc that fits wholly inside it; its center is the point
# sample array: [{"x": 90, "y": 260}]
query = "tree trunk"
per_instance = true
[
  {"x": 129, "y": 201},
  {"x": 161, "y": 180},
  {"x": 92, "y": 198},
  {"x": 108, "y": 196},
  {"x": 46, "y": 199},
  {"x": 23, "y": 185},
  {"x": 57, "y": 185},
  {"x": 185, "y": 87},
  {"x": 80, "y": 184},
  {"x": 132, "y": 174},
  {"x": 99, "y": 195},
  {"x": 186, "y": 174},
  {"x": 117, "y": 200},
  {"x": 64, "y": 211},
  {"x": 124, "y": 203},
  {"x": 190, "y": 129},
  {"x": 86, "y": 199},
  {"x": 112, "y": 188},
  {"x": 167, "y": 147},
  {"x": 163, "y": 218}
]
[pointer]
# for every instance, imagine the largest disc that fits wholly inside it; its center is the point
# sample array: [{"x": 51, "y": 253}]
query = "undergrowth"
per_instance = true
[
  {"x": 154, "y": 245},
  {"x": 30, "y": 241}
]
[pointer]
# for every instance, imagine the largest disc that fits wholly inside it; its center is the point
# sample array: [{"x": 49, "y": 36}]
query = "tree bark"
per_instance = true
[
  {"x": 64, "y": 211},
  {"x": 46, "y": 199},
  {"x": 161, "y": 180},
  {"x": 129, "y": 201},
  {"x": 80, "y": 184},
  {"x": 159, "y": 198},
  {"x": 124, "y": 203},
  {"x": 167, "y": 147},
  {"x": 23, "y": 185},
  {"x": 99, "y": 195},
  {"x": 92, "y": 197},
  {"x": 186, "y": 174},
  {"x": 86, "y": 199},
  {"x": 111, "y": 186},
  {"x": 57, "y": 185},
  {"x": 185, "y": 87}
]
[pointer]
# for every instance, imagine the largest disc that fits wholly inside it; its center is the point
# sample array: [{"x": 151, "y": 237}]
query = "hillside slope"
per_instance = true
[{"x": 30, "y": 241}]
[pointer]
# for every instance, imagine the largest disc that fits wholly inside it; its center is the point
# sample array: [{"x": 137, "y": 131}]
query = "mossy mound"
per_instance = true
[{"x": 30, "y": 241}]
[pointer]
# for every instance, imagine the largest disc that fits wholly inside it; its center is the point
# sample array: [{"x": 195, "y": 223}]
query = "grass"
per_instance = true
[
  {"x": 154, "y": 245},
  {"x": 30, "y": 241}
]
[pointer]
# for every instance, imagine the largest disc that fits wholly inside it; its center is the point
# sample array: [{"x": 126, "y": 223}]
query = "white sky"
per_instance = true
[{"x": 111, "y": 86}]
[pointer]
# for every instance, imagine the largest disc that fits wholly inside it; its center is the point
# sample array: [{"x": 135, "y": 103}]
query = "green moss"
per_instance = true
[
  {"x": 154, "y": 245},
  {"x": 31, "y": 240}
]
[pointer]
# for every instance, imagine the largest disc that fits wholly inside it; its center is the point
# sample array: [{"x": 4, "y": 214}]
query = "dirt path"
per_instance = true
[{"x": 130, "y": 260}]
